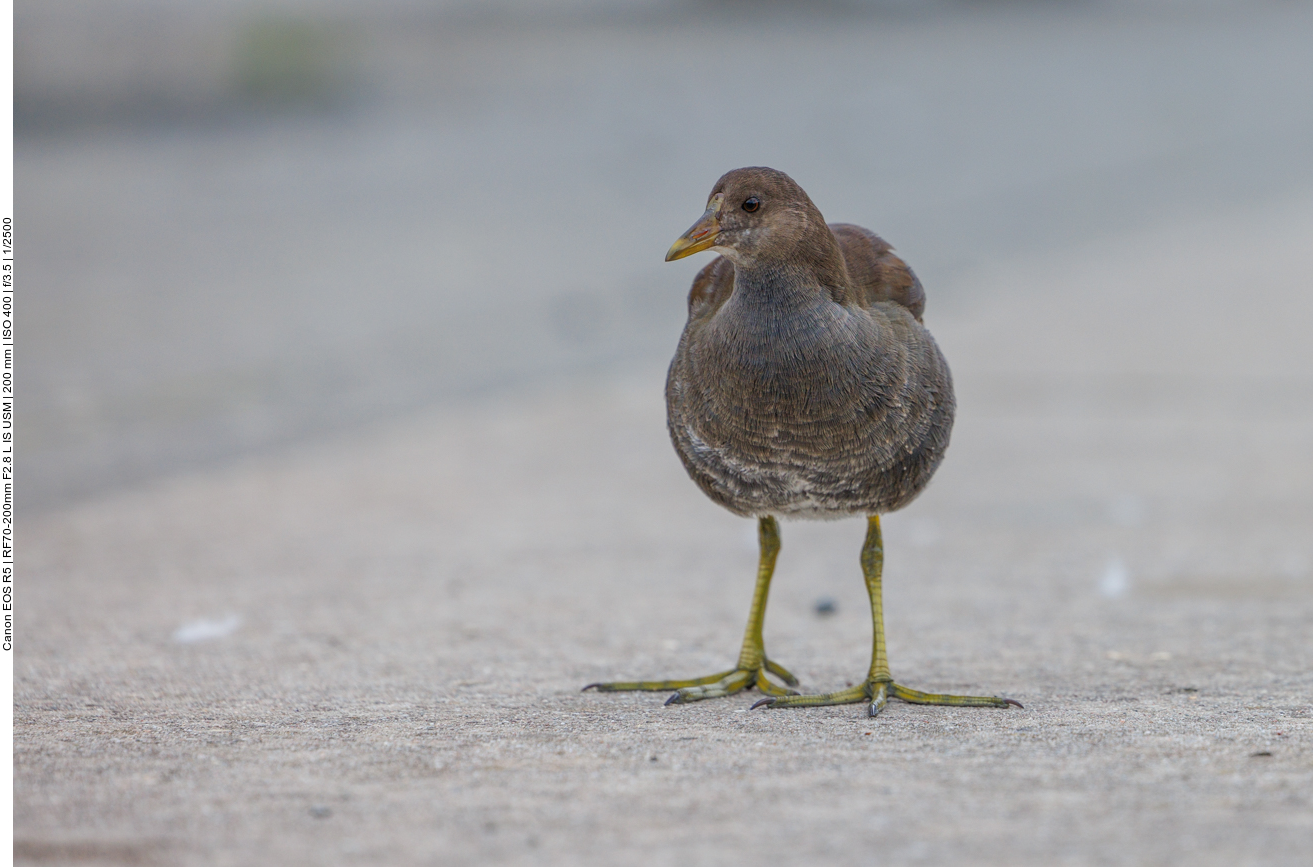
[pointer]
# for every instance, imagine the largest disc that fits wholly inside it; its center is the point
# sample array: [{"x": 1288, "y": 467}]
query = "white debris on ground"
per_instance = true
[
  {"x": 1116, "y": 579},
  {"x": 207, "y": 630}
]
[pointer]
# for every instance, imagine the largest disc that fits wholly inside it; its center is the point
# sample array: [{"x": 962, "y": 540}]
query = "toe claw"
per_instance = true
[
  {"x": 1014, "y": 703},
  {"x": 590, "y": 686},
  {"x": 765, "y": 702},
  {"x": 674, "y": 699}
]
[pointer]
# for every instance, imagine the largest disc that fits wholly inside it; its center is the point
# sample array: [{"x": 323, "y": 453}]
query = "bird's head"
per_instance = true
[{"x": 756, "y": 216}]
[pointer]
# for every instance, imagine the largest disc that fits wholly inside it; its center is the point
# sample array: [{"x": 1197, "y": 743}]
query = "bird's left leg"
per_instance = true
[
  {"x": 879, "y": 686},
  {"x": 752, "y": 665}
]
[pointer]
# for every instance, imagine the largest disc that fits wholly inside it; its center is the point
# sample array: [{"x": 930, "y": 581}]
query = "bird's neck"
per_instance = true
[{"x": 788, "y": 284}]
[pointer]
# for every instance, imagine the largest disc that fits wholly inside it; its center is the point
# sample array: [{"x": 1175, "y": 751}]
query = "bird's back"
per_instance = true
[{"x": 837, "y": 407}]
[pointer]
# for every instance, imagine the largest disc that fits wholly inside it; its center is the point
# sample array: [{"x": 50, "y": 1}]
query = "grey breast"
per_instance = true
[{"x": 814, "y": 409}]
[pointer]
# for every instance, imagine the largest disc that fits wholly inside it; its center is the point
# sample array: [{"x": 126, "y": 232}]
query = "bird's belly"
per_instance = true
[{"x": 779, "y": 472}]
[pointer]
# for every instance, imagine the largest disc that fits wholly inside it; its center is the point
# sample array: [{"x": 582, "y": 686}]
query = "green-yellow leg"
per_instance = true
[
  {"x": 879, "y": 686},
  {"x": 752, "y": 665}
]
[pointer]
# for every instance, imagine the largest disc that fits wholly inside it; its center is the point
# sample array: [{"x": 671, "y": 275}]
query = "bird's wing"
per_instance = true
[
  {"x": 876, "y": 273},
  {"x": 711, "y": 288}
]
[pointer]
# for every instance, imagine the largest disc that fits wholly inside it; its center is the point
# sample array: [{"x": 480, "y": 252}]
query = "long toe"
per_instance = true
[
  {"x": 878, "y": 693},
  {"x": 912, "y": 696},
  {"x": 717, "y": 685},
  {"x": 735, "y": 682},
  {"x": 852, "y": 695},
  {"x": 657, "y": 685}
]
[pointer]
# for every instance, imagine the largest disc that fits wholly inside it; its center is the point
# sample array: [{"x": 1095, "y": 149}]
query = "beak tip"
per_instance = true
[{"x": 685, "y": 247}]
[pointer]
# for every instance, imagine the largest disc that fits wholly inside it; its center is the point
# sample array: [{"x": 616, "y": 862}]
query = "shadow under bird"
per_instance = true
[{"x": 804, "y": 386}]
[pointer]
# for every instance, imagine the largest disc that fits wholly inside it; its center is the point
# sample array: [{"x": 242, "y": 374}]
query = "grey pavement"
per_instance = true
[{"x": 273, "y": 612}]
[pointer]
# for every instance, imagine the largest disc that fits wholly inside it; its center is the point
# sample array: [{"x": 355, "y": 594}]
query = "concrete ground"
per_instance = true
[{"x": 370, "y": 650}]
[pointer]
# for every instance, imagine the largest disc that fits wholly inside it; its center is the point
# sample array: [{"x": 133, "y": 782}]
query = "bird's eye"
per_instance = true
[{"x": 751, "y": 204}]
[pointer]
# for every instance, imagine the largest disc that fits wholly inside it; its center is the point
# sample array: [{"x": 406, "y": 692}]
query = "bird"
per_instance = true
[{"x": 804, "y": 386}]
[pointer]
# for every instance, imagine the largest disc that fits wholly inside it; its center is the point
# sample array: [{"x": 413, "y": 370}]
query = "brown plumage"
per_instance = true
[{"x": 804, "y": 383}]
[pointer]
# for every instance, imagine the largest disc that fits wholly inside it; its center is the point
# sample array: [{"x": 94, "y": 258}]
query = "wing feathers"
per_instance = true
[{"x": 875, "y": 272}]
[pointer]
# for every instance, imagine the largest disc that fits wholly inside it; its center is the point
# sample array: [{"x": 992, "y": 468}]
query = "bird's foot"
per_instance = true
[
  {"x": 878, "y": 692},
  {"x": 713, "y": 685}
]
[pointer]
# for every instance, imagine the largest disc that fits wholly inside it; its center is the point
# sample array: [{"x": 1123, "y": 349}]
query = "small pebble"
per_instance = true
[
  {"x": 825, "y": 606},
  {"x": 320, "y": 812}
]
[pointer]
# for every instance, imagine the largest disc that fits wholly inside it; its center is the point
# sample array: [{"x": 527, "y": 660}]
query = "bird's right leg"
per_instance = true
[{"x": 752, "y": 665}]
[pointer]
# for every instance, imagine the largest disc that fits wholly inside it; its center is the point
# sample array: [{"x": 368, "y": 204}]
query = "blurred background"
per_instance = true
[{"x": 245, "y": 225}]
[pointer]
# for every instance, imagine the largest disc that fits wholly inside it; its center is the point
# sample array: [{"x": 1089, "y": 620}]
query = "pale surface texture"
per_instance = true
[{"x": 370, "y": 651}]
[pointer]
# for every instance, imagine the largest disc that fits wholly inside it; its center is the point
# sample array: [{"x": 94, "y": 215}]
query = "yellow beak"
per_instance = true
[{"x": 702, "y": 235}]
